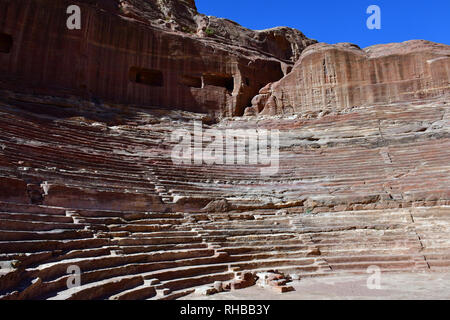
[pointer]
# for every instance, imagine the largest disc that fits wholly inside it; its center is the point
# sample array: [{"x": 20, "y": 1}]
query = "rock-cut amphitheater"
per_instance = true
[{"x": 87, "y": 177}]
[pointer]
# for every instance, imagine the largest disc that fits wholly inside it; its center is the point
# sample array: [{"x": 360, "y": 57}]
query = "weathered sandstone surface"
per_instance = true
[
  {"x": 368, "y": 186},
  {"x": 151, "y": 53},
  {"x": 87, "y": 177},
  {"x": 342, "y": 76}
]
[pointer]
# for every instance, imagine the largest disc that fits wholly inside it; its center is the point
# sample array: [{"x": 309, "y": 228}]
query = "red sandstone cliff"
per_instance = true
[
  {"x": 282, "y": 42},
  {"x": 336, "y": 77},
  {"x": 150, "y": 53}
]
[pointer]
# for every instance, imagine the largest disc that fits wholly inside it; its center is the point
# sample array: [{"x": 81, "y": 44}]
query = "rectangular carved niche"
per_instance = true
[
  {"x": 6, "y": 43},
  {"x": 148, "y": 77},
  {"x": 191, "y": 81},
  {"x": 219, "y": 80}
]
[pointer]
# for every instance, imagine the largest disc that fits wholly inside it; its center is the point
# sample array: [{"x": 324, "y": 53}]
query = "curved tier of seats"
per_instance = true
[{"x": 367, "y": 187}]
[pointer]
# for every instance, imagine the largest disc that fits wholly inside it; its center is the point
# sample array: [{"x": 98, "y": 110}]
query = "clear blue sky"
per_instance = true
[{"x": 335, "y": 21}]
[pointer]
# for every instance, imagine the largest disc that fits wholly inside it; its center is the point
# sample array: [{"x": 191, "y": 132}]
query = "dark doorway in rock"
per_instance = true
[
  {"x": 219, "y": 80},
  {"x": 6, "y": 43},
  {"x": 191, "y": 81},
  {"x": 148, "y": 77}
]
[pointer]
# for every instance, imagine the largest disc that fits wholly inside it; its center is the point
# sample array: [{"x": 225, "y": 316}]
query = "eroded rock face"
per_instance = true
[
  {"x": 341, "y": 76},
  {"x": 93, "y": 184},
  {"x": 281, "y": 42},
  {"x": 174, "y": 13},
  {"x": 150, "y": 53}
]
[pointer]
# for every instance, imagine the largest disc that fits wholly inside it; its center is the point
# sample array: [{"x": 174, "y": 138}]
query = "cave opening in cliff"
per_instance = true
[
  {"x": 146, "y": 76},
  {"x": 191, "y": 81},
  {"x": 219, "y": 80},
  {"x": 6, "y": 42}
]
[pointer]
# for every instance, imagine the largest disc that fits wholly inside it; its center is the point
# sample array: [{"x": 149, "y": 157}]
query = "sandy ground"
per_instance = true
[{"x": 415, "y": 286}]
